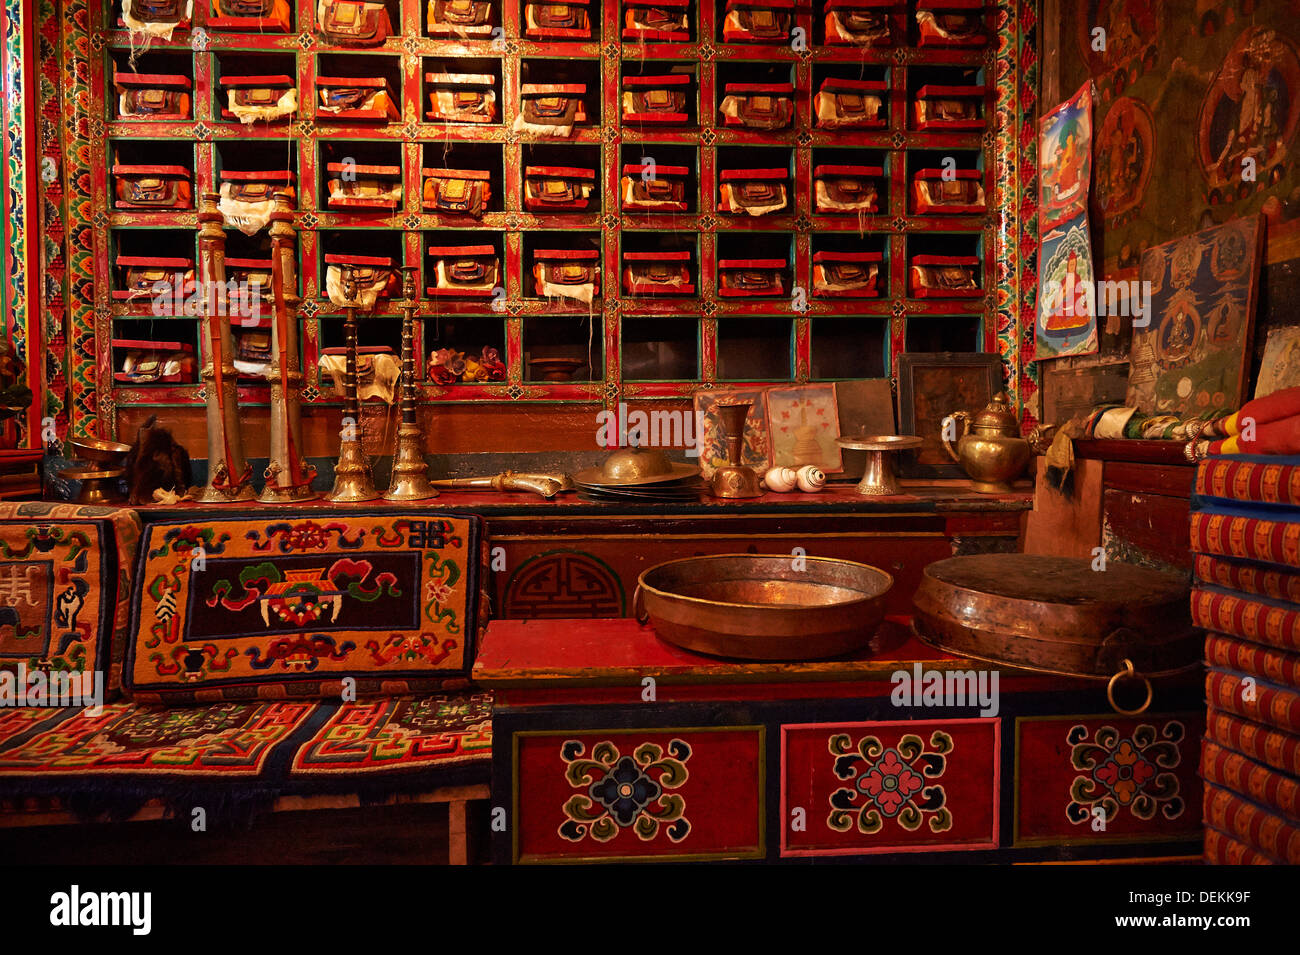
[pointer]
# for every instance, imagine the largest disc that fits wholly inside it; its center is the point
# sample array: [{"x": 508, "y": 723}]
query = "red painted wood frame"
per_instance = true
[{"x": 208, "y": 133}]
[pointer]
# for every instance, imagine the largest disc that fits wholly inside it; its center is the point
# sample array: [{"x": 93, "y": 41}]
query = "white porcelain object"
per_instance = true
[
  {"x": 781, "y": 480},
  {"x": 810, "y": 478}
]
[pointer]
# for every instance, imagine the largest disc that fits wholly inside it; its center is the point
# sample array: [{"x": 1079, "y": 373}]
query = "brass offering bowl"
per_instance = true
[
  {"x": 98, "y": 485},
  {"x": 878, "y": 475},
  {"x": 555, "y": 369},
  {"x": 765, "y": 606},
  {"x": 99, "y": 450}
]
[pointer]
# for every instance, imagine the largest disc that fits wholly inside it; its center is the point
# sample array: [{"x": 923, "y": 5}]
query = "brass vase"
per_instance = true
[{"x": 734, "y": 480}]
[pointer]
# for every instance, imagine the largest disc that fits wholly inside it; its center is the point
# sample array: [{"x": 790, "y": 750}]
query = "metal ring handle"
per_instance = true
[
  {"x": 1128, "y": 671},
  {"x": 642, "y": 617}
]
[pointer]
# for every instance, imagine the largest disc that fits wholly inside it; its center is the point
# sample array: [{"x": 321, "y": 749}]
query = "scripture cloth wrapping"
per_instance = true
[
  {"x": 849, "y": 104},
  {"x": 657, "y": 273},
  {"x": 152, "y": 95},
  {"x": 143, "y": 363},
  {"x": 949, "y": 107},
  {"x": 656, "y": 20},
  {"x": 471, "y": 270},
  {"x": 464, "y": 18},
  {"x": 758, "y": 106},
  {"x": 951, "y": 27},
  {"x": 378, "y": 371},
  {"x": 1275, "y": 407},
  {"x": 1230, "y": 653},
  {"x": 558, "y": 188},
  {"x": 1246, "y": 538},
  {"x": 1274, "y": 706},
  {"x": 1273, "y": 791},
  {"x": 371, "y": 283},
  {"x": 1247, "y": 578},
  {"x": 457, "y": 191},
  {"x": 462, "y": 97},
  {"x": 563, "y": 274},
  {"x": 364, "y": 187},
  {"x": 656, "y": 99},
  {"x": 292, "y": 606},
  {"x": 847, "y": 190},
  {"x": 753, "y": 192},
  {"x": 253, "y": 14},
  {"x": 1274, "y": 834},
  {"x": 155, "y": 18},
  {"x": 846, "y": 273},
  {"x": 751, "y": 277},
  {"x": 339, "y": 100},
  {"x": 1261, "y": 480},
  {"x": 151, "y": 278},
  {"x": 349, "y": 23},
  {"x": 246, "y": 203},
  {"x": 253, "y": 353},
  {"x": 1225, "y": 850},
  {"x": 65, "y": 572},
  {"x": 557, "y": 20},
  {"x": 934, "y": 192},
  {"x": 250, "y": 105},
  {"x": 857, "y": 24},
  {"x": 237, "y": 758},
  {"x": 645, "y": 188},
  {"x": 945, "y": 276},
  {"x": 761, "y": 21},
  {"x": 551, "y": 110},
  {"x": 152, "y": 187},
  {"x": 1259, "y": 620}
]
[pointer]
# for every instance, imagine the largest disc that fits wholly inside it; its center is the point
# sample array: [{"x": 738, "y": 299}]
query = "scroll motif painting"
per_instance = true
[
  {"x": 1067, "y": 320},
  {"x": 1193, "y": 357}
]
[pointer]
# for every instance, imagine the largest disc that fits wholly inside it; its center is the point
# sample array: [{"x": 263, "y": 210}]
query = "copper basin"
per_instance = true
[{"x": 765, "y": 606}]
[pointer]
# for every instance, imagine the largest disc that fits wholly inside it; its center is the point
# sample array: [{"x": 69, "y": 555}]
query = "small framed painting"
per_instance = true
[
  {"x": 933, "y": 385},
  {"x": 756, "y": 451},
  {"x": 804, "y": 422}
]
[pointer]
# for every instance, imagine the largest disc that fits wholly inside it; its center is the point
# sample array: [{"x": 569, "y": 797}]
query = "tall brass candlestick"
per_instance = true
[
  {"x": 410, "y": 481},
  {"x": 353, "y": 481},
  {"x": 288, "y": 476},
  {"x": 229, "y": 474}
]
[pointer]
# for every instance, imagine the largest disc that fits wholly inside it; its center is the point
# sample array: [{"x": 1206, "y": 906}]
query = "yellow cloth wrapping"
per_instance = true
[
  {"x": 286, "y": 105},
  {"x": 377, "y": 375}
]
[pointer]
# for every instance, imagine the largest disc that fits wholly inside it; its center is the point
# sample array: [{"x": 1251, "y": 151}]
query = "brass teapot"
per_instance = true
[{"x": 988, "y": 446}]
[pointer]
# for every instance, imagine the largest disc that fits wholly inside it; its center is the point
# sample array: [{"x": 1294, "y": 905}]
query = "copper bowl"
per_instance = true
[
  {"x": 765, "y": 606},
  {"x": 99, "y": 450}
]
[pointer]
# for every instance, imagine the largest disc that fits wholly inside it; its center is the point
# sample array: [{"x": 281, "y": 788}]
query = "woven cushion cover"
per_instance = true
[
  {"x": 243, "y": 753},
  {"x": 268, "y": 606},
  {"x": 65, "y": 584}
]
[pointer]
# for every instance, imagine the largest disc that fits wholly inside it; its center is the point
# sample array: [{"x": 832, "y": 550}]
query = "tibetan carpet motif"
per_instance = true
[
  {"x": 58, "y": 583},
  {"x": 288, "y": 747},
  {"x": 246, "y": 608}
]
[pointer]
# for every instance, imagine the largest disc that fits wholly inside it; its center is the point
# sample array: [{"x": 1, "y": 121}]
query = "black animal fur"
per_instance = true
[{"x": 155, "y": 461}]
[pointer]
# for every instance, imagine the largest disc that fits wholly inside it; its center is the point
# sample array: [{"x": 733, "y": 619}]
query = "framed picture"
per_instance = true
[
  {"x": 931, "y": 386},
  {"x": 1281, "y": 365},
  {"x": 1070, "y": 392},
  {"x": 757, "y": 450},
  {"x": 804, "y": 423}
]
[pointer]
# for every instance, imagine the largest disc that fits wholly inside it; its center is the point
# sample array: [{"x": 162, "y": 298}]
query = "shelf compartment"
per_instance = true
[{"x": 657, "y": 21}]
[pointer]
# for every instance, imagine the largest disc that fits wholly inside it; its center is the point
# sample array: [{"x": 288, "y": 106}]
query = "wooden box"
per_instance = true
[
  {"x": 155, "y": 363},
  {"x": 753, "y": 192},
  {"x": 657, "y": 273},
  {"x": 940, "y": 192},
  {"x": 155, "y": 277},
  {"x": 152, "y": 187},
  {"x": 764, "y": 106},
  {"x": 457, "y": 192},
  {"x": 846, "y": 274},
  {"x": 846, "y": 190},
  {"x": 250, "y": 99},
  {"x": 461, "y": 98},
  {"x": 657, "y": 21},
  {"x": 758, "y": 21},
  {"x": 551, "y": 109},
  {"x": 367, "y": 188},
  {"x": 646, "y": 188},
  {"x": 567, "y": 273},
  {"x": 752, "y": 278},
  {"x": 661, "y": 100},
  {"x": 355, "y": 99},
  {"x": 152, "y": 95},
  {"x": 472, "y": 271},
  {"x": 350, "y": 23},
  {"x": 557, "y": 20},
  {"x": 558, "y": 188},
  {"x": 850, "y": 104},
  {"x": 460, "y": 18},
  {"x": 946, "y": 276}
]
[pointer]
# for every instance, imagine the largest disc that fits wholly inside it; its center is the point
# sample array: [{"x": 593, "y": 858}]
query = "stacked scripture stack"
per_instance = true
[{"x": 1246, "y": 541}]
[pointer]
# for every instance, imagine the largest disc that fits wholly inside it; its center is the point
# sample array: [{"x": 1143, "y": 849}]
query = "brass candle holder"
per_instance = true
[
  {"x": 410, "y": 480},
  {"x": 353, "y": 479},
  {"x": 734, "y": 480}
]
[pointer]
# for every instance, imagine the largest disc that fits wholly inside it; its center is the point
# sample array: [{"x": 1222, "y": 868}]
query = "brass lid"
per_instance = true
[
  {"x": 628, "y": 467},
  {"x": 997, "y": 416}
]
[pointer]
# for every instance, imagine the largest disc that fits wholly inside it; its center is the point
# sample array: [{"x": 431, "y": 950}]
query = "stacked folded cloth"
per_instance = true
[{"x": 1245, "y": 538}]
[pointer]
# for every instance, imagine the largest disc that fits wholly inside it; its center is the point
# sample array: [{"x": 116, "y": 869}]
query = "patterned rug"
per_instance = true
[
  {"x": 237, "y": 757},
  {"x": 272, "y": 607}
]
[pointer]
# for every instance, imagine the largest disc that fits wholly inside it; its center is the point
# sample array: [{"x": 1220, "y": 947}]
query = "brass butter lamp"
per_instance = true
[
  {"x": 353, "y": 481},
  {"x": 410, "y": 480}
]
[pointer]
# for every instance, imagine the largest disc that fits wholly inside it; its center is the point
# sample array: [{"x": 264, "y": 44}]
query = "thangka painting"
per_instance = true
[
  {"x": 1281, "y": 365},
  {"x": 1066, "y": 321},
  {"x": 757, "y": 449},
  {"x": 1192, "y": 360},
  {"x": 241, "y": 607},
  {"x": 804, "y": 424}
]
